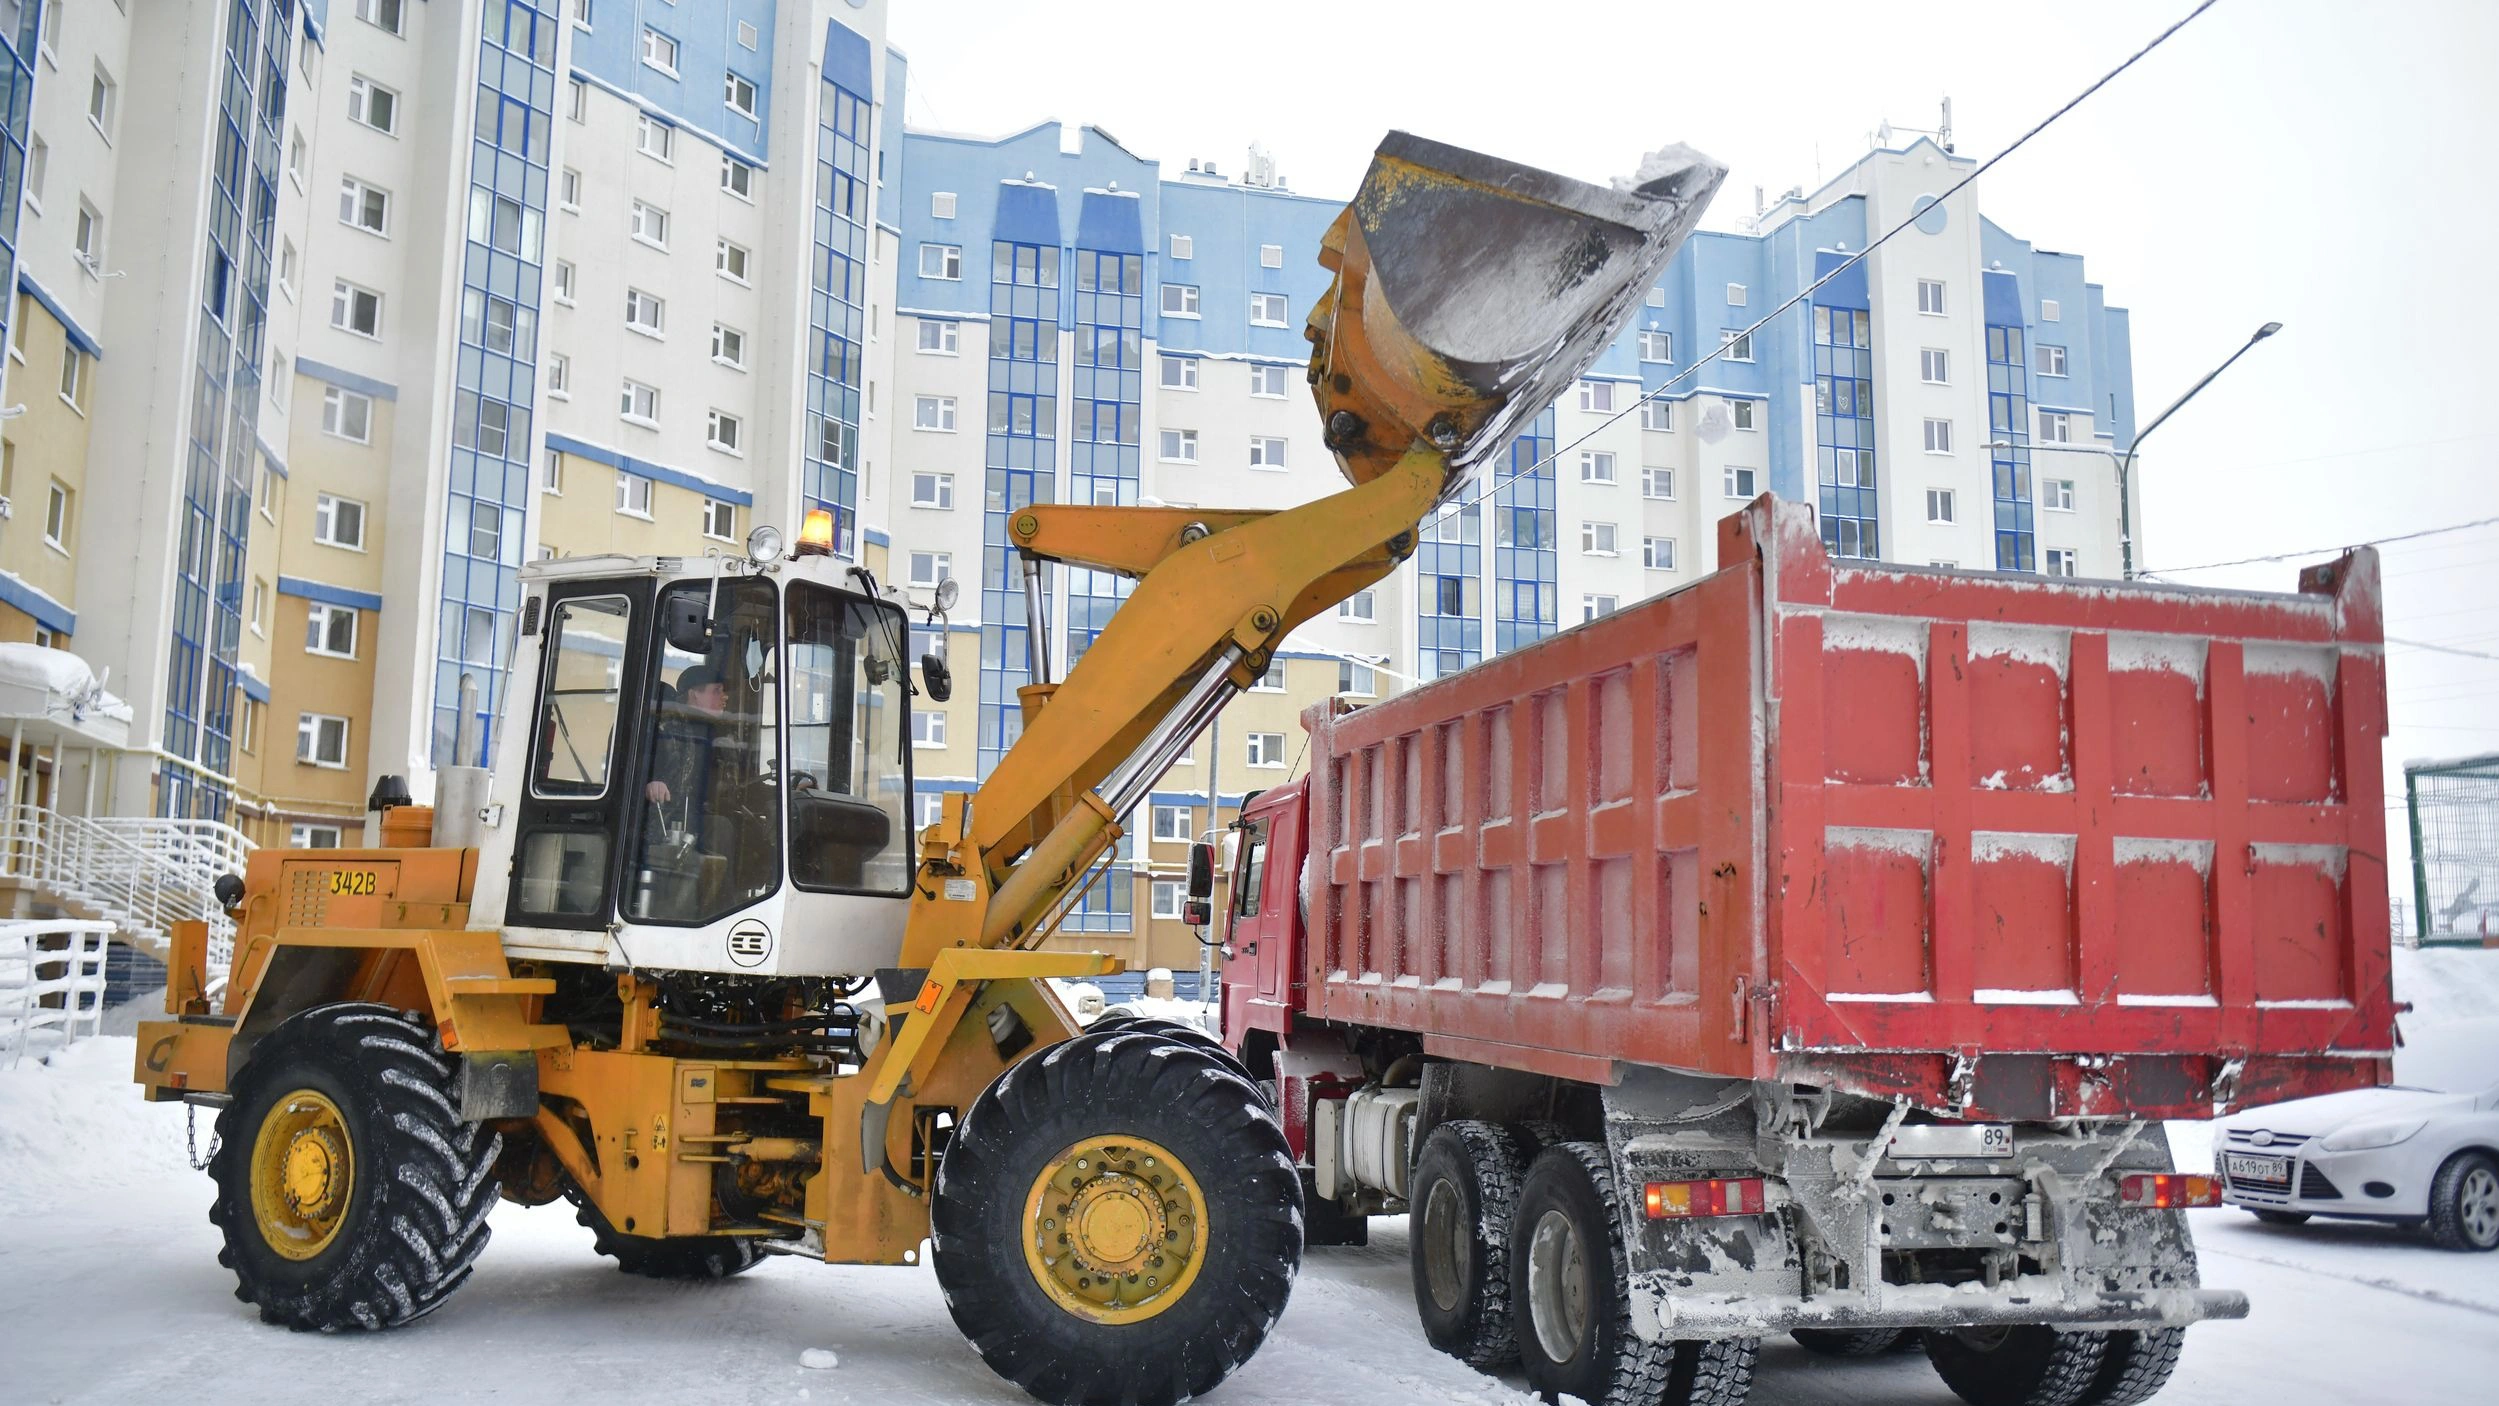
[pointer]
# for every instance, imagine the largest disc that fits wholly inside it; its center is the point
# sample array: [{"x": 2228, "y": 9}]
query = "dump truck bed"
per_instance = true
[{"x": 2006, "y": 847}]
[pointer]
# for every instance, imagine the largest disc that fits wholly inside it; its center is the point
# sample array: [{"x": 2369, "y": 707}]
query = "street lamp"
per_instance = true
[{"x": 2126, "y": 462}]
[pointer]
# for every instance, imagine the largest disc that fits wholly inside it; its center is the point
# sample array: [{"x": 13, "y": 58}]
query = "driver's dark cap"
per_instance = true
[{"x": 700, "y": 676}]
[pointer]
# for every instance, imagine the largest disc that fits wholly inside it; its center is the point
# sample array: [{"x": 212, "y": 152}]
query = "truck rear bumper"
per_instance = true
[{"x": 1660, "y": 1315}]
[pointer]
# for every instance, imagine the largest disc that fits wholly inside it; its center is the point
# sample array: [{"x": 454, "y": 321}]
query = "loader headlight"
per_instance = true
[
  {"x": 763, "y": 545},
  {"x": 2360, "y": 1137}
]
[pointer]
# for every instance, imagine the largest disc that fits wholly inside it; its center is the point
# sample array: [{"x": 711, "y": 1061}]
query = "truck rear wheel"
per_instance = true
[
  {"x": 670, "y": 1257},
  {"x": 1117, "y": 1220},
  {"x": 1846, "y": 1342},
  {"x": 1465, "y": 1191},
  {"x": 1569, "y": 1285},
  {"x": 2136, "y": 1366},
  {"x": 2028, "y": 1365},
  {"x": 350, "y": 1193}
]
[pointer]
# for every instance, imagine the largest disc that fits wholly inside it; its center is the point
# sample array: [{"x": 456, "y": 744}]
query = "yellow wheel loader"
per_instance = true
[{"x": 678, "y": 959}]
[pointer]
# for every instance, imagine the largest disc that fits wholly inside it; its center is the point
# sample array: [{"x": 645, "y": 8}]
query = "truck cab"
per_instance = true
[{"x": 1262, "y": 970}]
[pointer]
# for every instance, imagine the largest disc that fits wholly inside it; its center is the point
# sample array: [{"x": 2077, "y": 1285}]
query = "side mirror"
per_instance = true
[
  {"x": 1201, "y": 870},
  {"x": 938, "y": 678},
  {"x": 687, "y": 625}
]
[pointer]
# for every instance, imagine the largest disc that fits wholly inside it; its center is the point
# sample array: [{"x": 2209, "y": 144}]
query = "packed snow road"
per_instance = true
[{"x": 110, "y": 1291}]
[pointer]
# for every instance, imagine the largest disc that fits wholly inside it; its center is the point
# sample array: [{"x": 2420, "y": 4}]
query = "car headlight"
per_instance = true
[{"x": 2360, "y": 1137}]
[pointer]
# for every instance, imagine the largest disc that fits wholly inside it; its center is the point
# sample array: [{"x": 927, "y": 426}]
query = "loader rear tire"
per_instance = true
[
  {"x": 1846, "y": 1342},
  {"x": 2030, "y": 1365},
  {"x": 672, "y": 1257},
  {"x": 1465, "y": 1191},
  {"x": 350, "y": 1193},
  {"x": 1117, "y": 1220}
]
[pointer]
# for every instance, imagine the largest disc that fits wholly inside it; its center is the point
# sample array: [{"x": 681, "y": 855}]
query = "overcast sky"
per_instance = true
[{"x": 2323, "y": 165}]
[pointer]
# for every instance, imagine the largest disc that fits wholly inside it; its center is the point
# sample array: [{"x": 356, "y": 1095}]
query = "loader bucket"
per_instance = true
[{"x": 1471, "y": 291}]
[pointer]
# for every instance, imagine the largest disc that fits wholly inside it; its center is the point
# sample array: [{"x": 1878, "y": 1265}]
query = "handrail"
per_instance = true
[
  {"x": 143, "y": 873},
  {"x": 26, "y": 994}
]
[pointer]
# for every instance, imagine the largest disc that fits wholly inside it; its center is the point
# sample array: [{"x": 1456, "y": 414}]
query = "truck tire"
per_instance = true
[
  {"x": 1846, "y": 1342},
  {"x": 1463, "y": 1195},
  {"x": 2137, "y": 1366},
  {"x": 1569, "y": 1281},
  {"x": 2029, "y": 1365},
  {"x": 350, "y": 1193},
  {"x": 670, "y": 1257},
  {"x": 1117, "y": 1220},
  {"x": 2464, "y": 1203}
]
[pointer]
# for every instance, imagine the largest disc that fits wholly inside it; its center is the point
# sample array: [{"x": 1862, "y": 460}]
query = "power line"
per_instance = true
[
  {"x": 2442, "y": 648},
  {"x": 2323, "y": 551},
  {"x": 1852, "y": 261}
]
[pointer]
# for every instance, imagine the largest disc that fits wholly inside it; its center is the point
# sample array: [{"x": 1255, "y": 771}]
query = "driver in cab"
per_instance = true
[{"x": 687, "y": 792}]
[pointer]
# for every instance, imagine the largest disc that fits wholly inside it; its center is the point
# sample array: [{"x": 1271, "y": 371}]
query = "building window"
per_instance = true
[
  {"x": 1596, "y": 466},
  {"x": 728, "y": 347},
  {"x": 559, "y": 376},
  {"x": 286, "y": 268},
  {"x": 639, "y": 402},
  {"x": 1595, "y": 607},
  {"x": 1939, "y": 436},
  {"x": 939, "y": 338},
  {"x": 1271, "y": 256},
  {"x": 941, "y": 205},
  {"x": 568, "y": 189},
  {"x": 1271, "y": 681},
  {"x": 1931, "y": 297},
  {"x": 1266, "y": 452},
  {"x": 383, "y": 15},
  {"x": 2051, "y": 360},
  {"x": 1179, "y": 300},
  {"x": 748, "y": 36},
  {"x": 726, "y": 432},
  {"x": 652, "y": 137},
  {"x": 1179, "y": 446},
  {"x": 650, "y": 224},
  {"x": 492, "y": 430},
  {"x": 372, "y": 104},
  {"x": 928, "y": 728},
  {"x": 1266, "y": 749},
  {"x": 313, "y": 836},
  {"x": 928, "y": 569},
  {"x": 730, "y": 261},
  {"x": 1267, "y": 309},
  {"x": 1174, "y": 824},
  {"x": 1657, "y": 415},
  {"x": 338, "y": 522},
  {"x": 321, "y": 740},
  {"x": 2060, "y": 561},
  {"x": 1742, "y": 411},
  {"x": 1183, "y": 247},
  {"x": 1735, "y": 295},
  {"x": 2056, "y": 427},
  {"x": 103, "y": 96},
  {"x": 331, "y": 630},
  {"x": 56, "y": 516},
  {"x": 645, "y": 312},
  {"x": 551, "y": 473},
  {"x": 1361, "y": 606},
  {"x": 578, "y": 101},
  {"x": 1597, "y": 396},
  {"x": 933, "y": 412},
  {"x": 633, "y": 495},
  {"x": 1596, "y": 539},
  {"x": 1657, "y": 483},
  {"x": 564, "y": 282},
  {"x": 1657, "y": 346},
  {"x": 1738, "y": 482},
  {"x": 74, "y": 378},
  {"x": 2050, "y": 310},
  {"x": 1357, "y": 680},
  {"x": 738, "y": 91},
  {"x": 1939, "y": 505},
  {"x": 1167, "y": 896},
  {"x": 347, "y": 414},
  {"x": 1935, "y": 366},
  {"x": 941, "y": 261},
  {"x": 1739, "y": 345},
  {"x": 932, "y": 490},
  {"x": 720, "y": 520},
  {"x": 1268, "y": 382},
  {"x": 659, "y": 51},
  {"x": 354, "y": 309},
  {"x": 1179, "y": 372},
  {"x": 2057, "y": 494},
  {"x": 1657, "y": 553}
]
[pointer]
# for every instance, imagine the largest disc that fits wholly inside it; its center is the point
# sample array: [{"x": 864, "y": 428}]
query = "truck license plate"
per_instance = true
[
  {"x": 1943, "y": 1140},
  {"x": 2244, "y": 1166}
]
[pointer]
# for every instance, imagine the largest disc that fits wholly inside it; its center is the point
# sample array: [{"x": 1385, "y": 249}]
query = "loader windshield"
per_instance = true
[
  {"x": 710, "y": 839},
  {"x": 850, "y": 743}
]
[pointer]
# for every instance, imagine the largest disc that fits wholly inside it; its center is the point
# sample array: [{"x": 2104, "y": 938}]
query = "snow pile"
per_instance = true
[
  {"x": 76, "y": 1121},
  {"x": 1198, "y": 1013}
]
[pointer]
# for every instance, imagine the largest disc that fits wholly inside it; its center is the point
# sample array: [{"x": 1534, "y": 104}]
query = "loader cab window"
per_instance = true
[
  {"x": 561, "y": 873},
  {"x": 850, "y": 743},
  {"x": 709, "y": 838},
  {"x": 1253, "y": 869}
]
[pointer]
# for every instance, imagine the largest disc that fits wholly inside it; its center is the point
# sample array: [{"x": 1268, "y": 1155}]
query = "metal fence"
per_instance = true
[
  {"x": 2453, "y": 810},
  {"x": 51, "y": 984}
]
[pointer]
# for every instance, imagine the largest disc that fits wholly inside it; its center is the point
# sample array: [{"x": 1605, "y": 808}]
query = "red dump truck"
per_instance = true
[{"x": 1816, "y": 949}]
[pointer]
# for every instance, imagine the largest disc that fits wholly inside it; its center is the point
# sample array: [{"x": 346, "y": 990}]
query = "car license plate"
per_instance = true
[{"x": 2243, "y": 1166}]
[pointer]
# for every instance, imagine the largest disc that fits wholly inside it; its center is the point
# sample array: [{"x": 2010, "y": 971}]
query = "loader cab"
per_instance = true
[{"x": 708, "y": 768}]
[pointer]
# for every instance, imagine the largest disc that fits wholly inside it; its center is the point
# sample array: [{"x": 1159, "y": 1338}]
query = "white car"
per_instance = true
[{"x": 2416, "y": 1156}]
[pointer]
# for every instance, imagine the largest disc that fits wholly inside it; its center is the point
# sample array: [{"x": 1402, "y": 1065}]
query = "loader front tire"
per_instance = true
[
  {"x": 1117, "y": 1220},
  {"x": 350, "y": 1193}
]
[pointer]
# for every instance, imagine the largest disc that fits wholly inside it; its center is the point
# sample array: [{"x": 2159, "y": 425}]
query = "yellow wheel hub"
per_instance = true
[
  {"x": 303, "y": 1174},
  {"x": 1115, "y": 1229}
]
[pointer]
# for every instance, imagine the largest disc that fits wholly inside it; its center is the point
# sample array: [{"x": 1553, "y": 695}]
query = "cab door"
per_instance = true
[{"x": 575, "y": 796}]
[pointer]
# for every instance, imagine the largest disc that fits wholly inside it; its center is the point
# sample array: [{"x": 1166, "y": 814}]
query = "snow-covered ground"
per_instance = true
[{"x": 110, "y": 1291}]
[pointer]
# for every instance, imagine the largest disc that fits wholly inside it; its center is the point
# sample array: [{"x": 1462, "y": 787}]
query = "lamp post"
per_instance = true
[{"x": 2126, "y": 462}]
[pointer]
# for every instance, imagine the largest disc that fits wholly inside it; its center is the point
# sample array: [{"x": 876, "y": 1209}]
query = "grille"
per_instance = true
[
  {"x": 307, "y": 895},
  {"x": 2244, "y": 1139},
  {"x": 2313, "y": 1186}
]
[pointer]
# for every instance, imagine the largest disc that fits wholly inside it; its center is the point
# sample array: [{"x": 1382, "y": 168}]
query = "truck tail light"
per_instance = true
[
  {"x": 2167, "y": 1191},
  {"x": 1718, "y": 1196}
]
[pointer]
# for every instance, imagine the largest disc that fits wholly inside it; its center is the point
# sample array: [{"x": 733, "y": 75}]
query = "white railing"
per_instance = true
[
  {"x": 138, "y": 873},
  {"x": 51, "y": 984}
]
